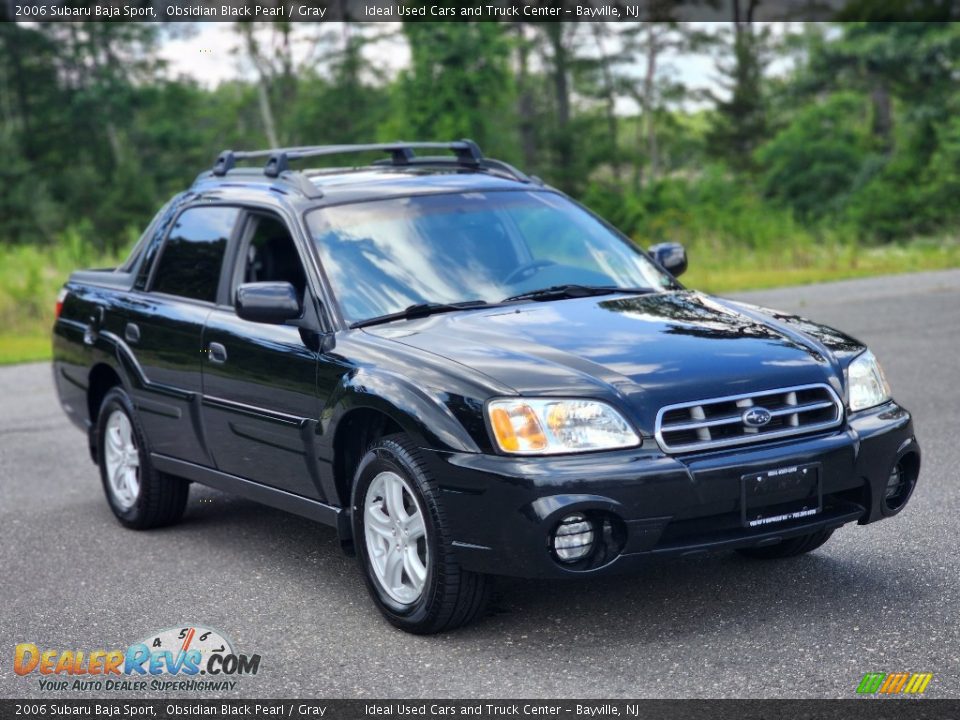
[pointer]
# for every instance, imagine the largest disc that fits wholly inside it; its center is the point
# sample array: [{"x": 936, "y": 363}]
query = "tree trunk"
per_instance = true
[
  {"x": 19, "y": 78},
  {"x": 288, "y": 84},
  {"x": 263, "y": 86},
  {"x": 266, "y": 113},
  {"x": 882, "y": 125},
  {"x": 525, "y": 103},
  {"x": 613, "y": 127},
  {"x": 561, "y": 95},
  {"x": 649, "y": 102}
]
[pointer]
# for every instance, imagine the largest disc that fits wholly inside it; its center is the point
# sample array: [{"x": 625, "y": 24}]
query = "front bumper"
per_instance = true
[{"x": 502, "y": 510}]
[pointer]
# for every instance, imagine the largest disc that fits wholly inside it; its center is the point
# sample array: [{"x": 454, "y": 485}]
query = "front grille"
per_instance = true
[{"x": 719, "y": 422}]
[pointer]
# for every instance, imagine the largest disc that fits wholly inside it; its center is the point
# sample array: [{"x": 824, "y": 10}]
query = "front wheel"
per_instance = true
[
  {"x": 404, "y": 543},
  {"x": 140, "y": 496},
  {"x": 788, "y": 548}
]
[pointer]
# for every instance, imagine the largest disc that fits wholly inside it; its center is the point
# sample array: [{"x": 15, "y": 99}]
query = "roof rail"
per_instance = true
[
  {"x": 401, "y": 153},
  {"x": 497, "y": 167}
]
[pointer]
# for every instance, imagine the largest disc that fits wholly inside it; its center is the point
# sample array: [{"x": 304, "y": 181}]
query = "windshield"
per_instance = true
[{"x": 384, "y": 256}]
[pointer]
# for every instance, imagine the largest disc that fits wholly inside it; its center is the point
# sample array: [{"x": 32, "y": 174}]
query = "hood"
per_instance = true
[{"x": 642, "y": 352}]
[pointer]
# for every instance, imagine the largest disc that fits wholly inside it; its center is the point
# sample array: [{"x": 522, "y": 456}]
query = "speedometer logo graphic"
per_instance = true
[{"x": 180, "y": 640}]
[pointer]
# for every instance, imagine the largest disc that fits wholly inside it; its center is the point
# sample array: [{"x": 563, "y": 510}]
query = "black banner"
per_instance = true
[
  {"x": 854, "y": 709},
  {"x": 469, "y": 10}
]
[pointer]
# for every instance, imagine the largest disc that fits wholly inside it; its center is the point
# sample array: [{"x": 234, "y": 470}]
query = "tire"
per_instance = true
[
  {"x": 788, "y": 548},
  {"x": 140, "y": 496},
  {"x": 430, "y": 593}
]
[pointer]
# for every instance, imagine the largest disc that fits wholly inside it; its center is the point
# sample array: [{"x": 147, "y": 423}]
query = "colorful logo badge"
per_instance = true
[
  {"x": 188, "y": 651},
  {"x": 894, "y": 683}
]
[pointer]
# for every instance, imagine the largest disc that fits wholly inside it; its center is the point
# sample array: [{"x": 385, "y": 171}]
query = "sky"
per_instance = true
[{"x": 205, "y": 51}]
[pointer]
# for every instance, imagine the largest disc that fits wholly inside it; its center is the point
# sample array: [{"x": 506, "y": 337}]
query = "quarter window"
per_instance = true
[{"x": 192, "y": 257}]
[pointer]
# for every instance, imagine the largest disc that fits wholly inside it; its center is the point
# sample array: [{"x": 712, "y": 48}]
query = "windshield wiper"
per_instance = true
[
  {"x": 422, "y": 310},
  {"x": 556, "y": 292}
]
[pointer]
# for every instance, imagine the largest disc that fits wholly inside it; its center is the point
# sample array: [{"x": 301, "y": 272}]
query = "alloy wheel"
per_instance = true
[
  {"x": 396, "y": 537},
  {"x": 122, "y": 460}
]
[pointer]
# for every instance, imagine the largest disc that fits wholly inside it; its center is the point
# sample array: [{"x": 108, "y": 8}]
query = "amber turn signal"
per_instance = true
[{"x": 517, "y": 429}]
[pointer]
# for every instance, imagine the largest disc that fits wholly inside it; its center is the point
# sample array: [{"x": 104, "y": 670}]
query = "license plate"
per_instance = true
[{"x": 786, "y": 493}]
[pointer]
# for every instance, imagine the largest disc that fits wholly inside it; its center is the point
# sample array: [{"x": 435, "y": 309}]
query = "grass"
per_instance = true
[
  {"x": 30, "y": 277},
  {"x": 19, "y": 348},
  {"x": 30, "y": 344},
  {"x": 719, "y": 270}
]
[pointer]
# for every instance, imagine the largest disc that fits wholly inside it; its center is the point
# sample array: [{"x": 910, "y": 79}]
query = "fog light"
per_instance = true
[
  {"x": 573, "y": 538},
  {"x": 894, "y": 482},
  {"x": 898, "y": 487}
]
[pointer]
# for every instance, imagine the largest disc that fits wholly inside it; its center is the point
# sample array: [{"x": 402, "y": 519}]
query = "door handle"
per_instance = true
[
  {"x": 132, "y": 333},
  {"x": 217, "y": 353}
]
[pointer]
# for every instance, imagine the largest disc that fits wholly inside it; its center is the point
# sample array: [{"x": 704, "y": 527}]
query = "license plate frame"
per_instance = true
[{"x": 781, "y": 494}]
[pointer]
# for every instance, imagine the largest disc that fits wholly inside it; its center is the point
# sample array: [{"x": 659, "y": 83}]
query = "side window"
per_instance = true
[
  {"x": 271, "y": 256},
  {"x": 150, "y": 243},
  {"x": 192, "y": 256}
]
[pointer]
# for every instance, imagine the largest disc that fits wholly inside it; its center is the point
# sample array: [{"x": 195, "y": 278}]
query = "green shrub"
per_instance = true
[
  {"x": 812, "y": 165},
  {"x": 31, "y": 277}
]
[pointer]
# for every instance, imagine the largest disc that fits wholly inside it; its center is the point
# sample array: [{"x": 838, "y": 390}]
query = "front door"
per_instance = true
[{"x": 260, "y": 401}]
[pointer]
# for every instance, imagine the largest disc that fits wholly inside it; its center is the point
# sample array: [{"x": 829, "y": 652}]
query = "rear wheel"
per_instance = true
[
  {"x": 404, "y": 543},
  {"x": 788, "y": 548},
  {"x": 140, "y": 496}
]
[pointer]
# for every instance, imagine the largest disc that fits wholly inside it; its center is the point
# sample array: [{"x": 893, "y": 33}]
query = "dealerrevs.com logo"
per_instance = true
[{"x": 185, "y": 659}]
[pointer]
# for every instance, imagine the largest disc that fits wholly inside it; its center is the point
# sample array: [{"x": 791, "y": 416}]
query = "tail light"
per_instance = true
[{"x": 61, "y": 296}]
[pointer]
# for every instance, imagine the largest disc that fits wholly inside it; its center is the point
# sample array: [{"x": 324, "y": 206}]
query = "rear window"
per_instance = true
[
  {"x": 192, "y": 256},
  {"x": 148, "y": 235}
]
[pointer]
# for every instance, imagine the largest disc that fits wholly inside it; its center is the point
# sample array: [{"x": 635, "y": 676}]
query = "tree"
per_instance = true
[
  {"x": 69, "y": 113},
  {"x": 908, "y": 71},
  {"x": 915, "y": 61},
  {"x": 577, "y": 135},
  {"x": 812, "y": 165},
  {"x": 342, "y": 97},
  {"x": 269, "y": 49},
  {"x": 740, "y": 124},
  {"x": 654, "y": 90},
  {"x": 527, "y": 121},
  {"x": 458, "y": 84}
]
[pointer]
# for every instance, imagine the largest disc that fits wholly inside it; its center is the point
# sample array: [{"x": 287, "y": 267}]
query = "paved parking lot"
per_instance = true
[{"x": 882, "y": 598}]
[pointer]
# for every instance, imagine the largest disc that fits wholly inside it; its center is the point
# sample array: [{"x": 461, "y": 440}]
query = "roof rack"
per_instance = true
[
  {"x": 401, "y": 153},
  {"x": 467, "y": 155},
  {"x": 497, "y": 167}
]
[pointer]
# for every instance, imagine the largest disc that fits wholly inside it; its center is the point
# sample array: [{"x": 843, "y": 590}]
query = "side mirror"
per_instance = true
[
  {"x": 672, "y": 256},
  {"x": 268, "y": 302}
]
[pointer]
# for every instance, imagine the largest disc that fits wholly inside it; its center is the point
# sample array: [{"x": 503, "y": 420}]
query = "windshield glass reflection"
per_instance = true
[{"x": 384, "y": 256}]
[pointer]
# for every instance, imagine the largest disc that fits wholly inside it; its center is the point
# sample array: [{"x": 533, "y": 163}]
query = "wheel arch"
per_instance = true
[
  {"x": 356, "y": 431},
  {"x": 370, "y": 405},
  {"x": 102, "y": 378}
]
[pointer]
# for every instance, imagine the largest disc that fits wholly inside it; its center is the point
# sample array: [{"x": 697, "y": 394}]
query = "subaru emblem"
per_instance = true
[{"x": 756, "y": 417}]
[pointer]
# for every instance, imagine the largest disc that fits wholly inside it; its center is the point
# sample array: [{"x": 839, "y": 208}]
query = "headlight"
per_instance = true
[
  {"x": 866, "y": 383},
  {"x": 548, "y": 426}
]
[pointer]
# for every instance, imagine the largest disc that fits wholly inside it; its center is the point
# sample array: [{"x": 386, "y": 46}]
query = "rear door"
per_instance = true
[
  {"x": 260, "y": 403},
  {"x": 163, "y": 327}
]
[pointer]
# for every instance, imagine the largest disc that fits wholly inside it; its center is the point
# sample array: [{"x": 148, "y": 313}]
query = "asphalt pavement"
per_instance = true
[{"x": 880, "y": 598}]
